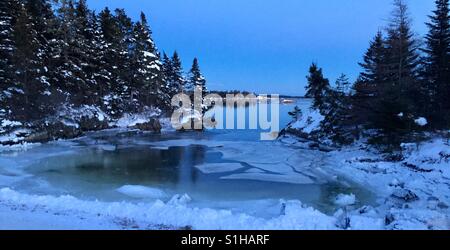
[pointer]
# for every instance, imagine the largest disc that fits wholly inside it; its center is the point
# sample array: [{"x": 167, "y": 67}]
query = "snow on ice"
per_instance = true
[
  {"x": 213, "y": 168},
  {"x": 141, "y": 192}
]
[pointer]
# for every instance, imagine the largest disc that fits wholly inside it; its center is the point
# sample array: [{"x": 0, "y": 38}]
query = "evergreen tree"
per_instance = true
[
  {"x": 72, "y": 57},
  {"x": 317, "y": 87},
  {"x": 338, "y": 123},
  {"x": 167, "y": 70},
  {"x": 402, "y": 56},
  {"x": 117, "y": 30},
  {"x": 46, "y": 26},
  {"x": 148, "y": 78},
  {"x": 172, "y": 72},
  {"x": 396, "y": 91},
  {"x": 122, "y": 63},
  {"x": 374, "y": 68},
  {"x": 296, "y": 114},
  {"x": 197, "y": 83},
  {"x": 98, "y": 71},
  {"x": 176, "y": 79},
  {"x": 109, "y": 28},
  {"x": 196, "y": 79},
  {"x": 366, "y": 87},
  {"x": 29, "y": 91},
  {"x": 8, "y": 14},
  {"x": 72, "y": 80},
  {"x": 85, "y": 28},
  {"x": 402, "y": 88},
  {"x": 437, "y": 64},
  {"x": 343, "y": 85}
]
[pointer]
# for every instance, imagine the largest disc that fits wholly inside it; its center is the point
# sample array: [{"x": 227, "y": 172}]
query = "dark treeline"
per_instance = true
[
  {"x": 403, "y": 90},
  {"x": 61, "y": 53}
]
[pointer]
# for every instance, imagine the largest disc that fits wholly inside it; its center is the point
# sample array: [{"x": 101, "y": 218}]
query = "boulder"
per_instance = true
[
  {"x": 38, "y": 137},
  {"x": 152, "y": 126},
  {"x": 60, "y": 130},
  {"x": 405, "y": 195},
  {"x": 92, "y": 124}
]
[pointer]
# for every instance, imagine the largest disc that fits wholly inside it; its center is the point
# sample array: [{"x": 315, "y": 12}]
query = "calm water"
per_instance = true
[{"x": 93, "y": 167}]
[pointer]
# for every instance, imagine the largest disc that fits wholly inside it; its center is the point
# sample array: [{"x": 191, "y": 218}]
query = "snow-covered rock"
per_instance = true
[
  {"x": 345, "y": 200},
  {"x": 309, "y": 122},
  {"x": 421, "y": 121}
]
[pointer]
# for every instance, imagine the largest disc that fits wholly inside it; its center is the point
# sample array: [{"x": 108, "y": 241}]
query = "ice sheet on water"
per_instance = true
[
  {"x": 185, "y": 142},
  {"x": 140, "y": 192},
  {"x": 255, "y": 170},
  {"x": 292, "y": 166},
  {"x": 214, "y": 168},
  {"x": 293, "y": 178}
]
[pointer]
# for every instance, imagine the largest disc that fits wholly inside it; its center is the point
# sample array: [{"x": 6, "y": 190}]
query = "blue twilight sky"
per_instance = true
[{"x": 267, "y": 45}]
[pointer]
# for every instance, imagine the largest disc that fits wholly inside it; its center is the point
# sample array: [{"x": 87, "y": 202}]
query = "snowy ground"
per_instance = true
[{"x": 412, "y": 194}]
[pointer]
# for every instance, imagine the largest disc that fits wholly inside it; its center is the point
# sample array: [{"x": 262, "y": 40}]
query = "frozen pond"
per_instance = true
[{"x": 217, "y": 169}]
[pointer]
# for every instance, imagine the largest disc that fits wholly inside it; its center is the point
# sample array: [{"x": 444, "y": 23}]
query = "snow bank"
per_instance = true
[
  {"x": 433, "y": 155},
  {"x": 413, "y": 192},
  {"x": 296, "y": 215}
]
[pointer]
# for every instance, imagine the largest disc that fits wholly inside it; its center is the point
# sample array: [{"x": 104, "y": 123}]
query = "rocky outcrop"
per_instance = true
[
  {"x": 61, "y": 130},
  {"x": 92, "y": 123},
  {"x": 152, "y": 126}
]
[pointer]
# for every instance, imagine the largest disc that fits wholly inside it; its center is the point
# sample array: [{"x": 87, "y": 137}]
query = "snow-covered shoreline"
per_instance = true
[{"x": 71, "y": 122}]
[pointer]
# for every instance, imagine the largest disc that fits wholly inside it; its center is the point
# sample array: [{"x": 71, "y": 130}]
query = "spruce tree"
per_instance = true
[
  {"x": 98, "y": 71},
  {"x": 437, "y": 64},
  {"x": 117, "y": 30},
  {"x": 296, "y": 114},
  {"x": 197, "y": 83},
  {"x": 366, "y": 88},
  {"x": 172, "y": 71},
  {"x": 196, "y": 79},
  {"x": 72, "y": 78},
  {"x": 399, "y": 92},
  {"x": 373, "y": 65},
  {"x": 29, "y": 91},
  {"x": 122, "y": 63},
  {"x": 317, "y": 87},
  {"x": 166, "y": 71},
  {"x": 176, "y": 78},
  {"x": 85, "y": 34},
  {"x": 111, "y": 98},
  {"x": 338, "y": 123},
  {"x": 46, "y": 26},
  {"x": 147, "y": 77},
  {"x": 8, "y": 14},
  {"x": 402, "y": 47},
  {"x": 343, "y": 85}
]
